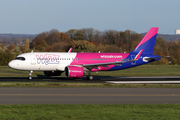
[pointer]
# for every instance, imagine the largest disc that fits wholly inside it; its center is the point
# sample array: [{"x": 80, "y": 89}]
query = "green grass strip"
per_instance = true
[
  {"x": 90, "y": 112},
  {"x": 67, "y": 84},
  {"x": 144, "y": 70}
]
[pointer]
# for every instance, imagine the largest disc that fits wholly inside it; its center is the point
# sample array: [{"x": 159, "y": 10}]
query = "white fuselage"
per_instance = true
[{"x": 42, "y": 61}]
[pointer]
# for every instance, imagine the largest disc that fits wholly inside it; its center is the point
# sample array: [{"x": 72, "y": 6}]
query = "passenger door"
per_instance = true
[{"x": 33, "y": 59}]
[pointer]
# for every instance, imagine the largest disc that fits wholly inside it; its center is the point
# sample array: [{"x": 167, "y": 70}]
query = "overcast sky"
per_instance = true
[{"x": 36, "y": 16}]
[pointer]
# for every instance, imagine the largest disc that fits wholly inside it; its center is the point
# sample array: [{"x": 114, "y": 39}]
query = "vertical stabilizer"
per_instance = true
[{"x": 148, "y": 42}]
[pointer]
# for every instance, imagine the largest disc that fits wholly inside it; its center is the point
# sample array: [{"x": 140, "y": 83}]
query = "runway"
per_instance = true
[
  {"x": 97, "y": 79},
  {"x": 29, "y": 95},
  {"x": 9, "y": 95}
]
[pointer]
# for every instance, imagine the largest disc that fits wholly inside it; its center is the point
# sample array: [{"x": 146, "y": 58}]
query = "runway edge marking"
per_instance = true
[{"x": 144, "y": 82}]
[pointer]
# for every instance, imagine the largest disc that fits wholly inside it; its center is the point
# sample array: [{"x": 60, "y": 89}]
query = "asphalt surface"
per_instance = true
[
  {"x": 97, "y": 79},
  {"x": 9, "y": 95}
]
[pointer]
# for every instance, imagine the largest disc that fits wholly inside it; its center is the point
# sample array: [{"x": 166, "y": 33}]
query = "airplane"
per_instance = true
[{"x": 75, "y": 65}]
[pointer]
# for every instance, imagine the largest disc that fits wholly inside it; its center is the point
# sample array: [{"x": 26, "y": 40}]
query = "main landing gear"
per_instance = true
[
  {"x": 89, "y": 77},
  {"x": 30, "y": 75}
]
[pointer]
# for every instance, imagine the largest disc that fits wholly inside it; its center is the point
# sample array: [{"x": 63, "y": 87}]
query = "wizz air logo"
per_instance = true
[{"x": 47, "y": 59}]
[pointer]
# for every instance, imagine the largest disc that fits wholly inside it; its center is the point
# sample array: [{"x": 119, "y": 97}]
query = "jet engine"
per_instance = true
[
  {"x": 52, "y": 73},
  {"x": 74, "y": 71}
]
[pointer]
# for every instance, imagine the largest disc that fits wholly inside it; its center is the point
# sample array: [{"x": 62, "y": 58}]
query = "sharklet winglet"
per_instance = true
[
  {"x": 138, "y": 55},
  {"x": 70, "y": 50}
]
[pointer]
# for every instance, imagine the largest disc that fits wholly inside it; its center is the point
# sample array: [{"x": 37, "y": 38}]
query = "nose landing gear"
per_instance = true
[{"x": 30, "y": 75}]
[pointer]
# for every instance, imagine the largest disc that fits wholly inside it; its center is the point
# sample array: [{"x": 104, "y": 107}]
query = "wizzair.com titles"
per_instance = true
[{"x": 111, "y": 56}]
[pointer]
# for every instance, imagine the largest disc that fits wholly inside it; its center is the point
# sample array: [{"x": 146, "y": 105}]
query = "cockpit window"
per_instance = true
[{"x": 20, "y": 58}]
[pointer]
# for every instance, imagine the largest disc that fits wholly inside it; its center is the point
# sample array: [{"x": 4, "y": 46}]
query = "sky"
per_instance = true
[{"x": 37, "y": 16}]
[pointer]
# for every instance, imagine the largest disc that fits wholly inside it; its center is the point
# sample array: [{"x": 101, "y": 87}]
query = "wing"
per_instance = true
[
  {"x": 118, "y": 63},
  {"x": 96, "y": 65}
]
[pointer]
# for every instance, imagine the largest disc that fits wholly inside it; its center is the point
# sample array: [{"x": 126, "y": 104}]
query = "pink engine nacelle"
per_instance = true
[{"x": 74, "y": 71}]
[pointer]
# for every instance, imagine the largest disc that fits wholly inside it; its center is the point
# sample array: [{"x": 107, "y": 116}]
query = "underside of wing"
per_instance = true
[
  {"x": 96, "y": 65},
  {"x": 118, "y": 63}
]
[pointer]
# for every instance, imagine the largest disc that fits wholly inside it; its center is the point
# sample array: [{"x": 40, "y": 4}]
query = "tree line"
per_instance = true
[{"x": 90, "y": 40}]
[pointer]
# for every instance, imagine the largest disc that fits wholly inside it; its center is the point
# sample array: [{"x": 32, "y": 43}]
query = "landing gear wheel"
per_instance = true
[
  {"x": 30, "y": 75},
  {"x": 90, "y": 77}
]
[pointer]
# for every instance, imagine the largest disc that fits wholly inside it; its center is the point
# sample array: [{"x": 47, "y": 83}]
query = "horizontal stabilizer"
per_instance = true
[{"x": 148, "y": 59}]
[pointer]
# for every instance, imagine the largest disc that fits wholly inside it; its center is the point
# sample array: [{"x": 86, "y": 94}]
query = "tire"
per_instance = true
[{"x": 90, "y": 77}]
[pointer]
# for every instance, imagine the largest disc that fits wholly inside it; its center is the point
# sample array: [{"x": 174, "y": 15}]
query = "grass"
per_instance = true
[
  {"x": 90, "y": 112},
  {"x": 66, "y": 84},
  {"x": 144, "y": 70}
]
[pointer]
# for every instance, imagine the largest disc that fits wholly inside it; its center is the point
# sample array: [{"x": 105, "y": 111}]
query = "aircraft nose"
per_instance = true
[{"x": 12, "y": 64}]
